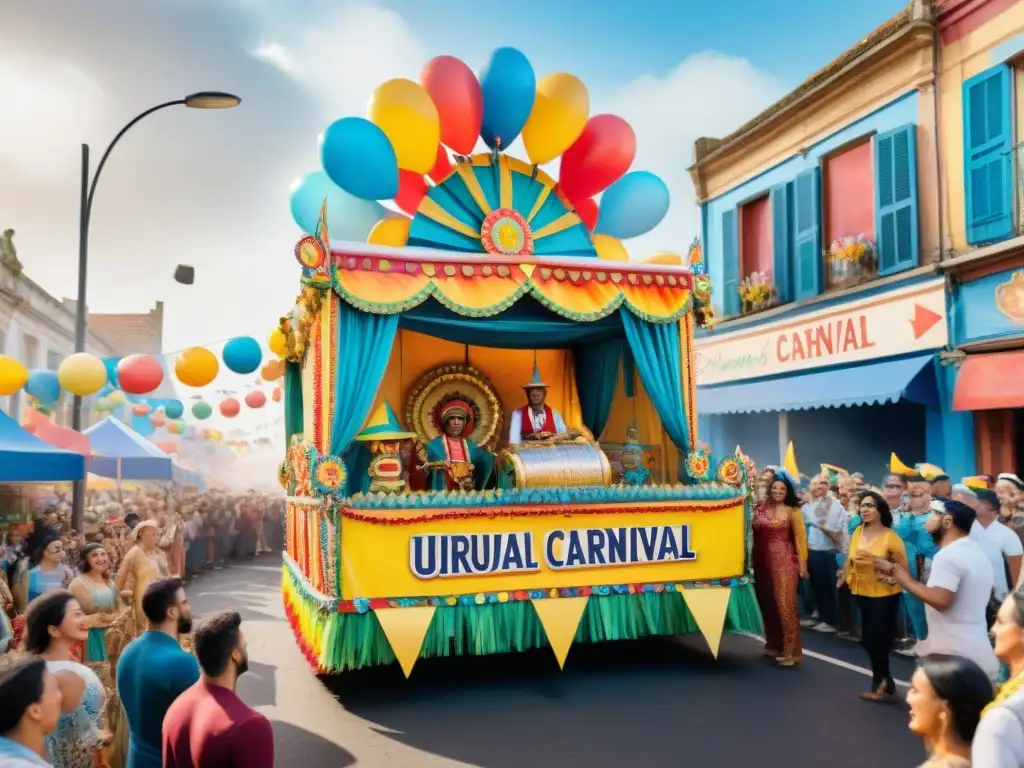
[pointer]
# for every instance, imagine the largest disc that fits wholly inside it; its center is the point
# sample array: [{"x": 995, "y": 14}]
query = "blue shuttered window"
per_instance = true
[
  {"x": 895, "y": 156},
  {"x": 782, "y": 229},
  {"x": 807, "y": 235},
  {"x": 988, "y": 156},
  {"x": 730, "y": 263}
]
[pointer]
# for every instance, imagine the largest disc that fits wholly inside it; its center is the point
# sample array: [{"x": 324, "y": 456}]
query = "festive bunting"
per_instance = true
[
  {"x": 405, "y": 629},
  {"x": 560, "y": 619}
]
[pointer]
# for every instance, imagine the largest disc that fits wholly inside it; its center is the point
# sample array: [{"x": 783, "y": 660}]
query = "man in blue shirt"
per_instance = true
[
  {"x": 31, "y": 699},
  {"x": 154, "y": 670}
]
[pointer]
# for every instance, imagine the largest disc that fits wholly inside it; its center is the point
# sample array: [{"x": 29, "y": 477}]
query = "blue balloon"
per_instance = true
[
  {"x": 174, "y": 409},
  {"x": 359, "y": 158},
  {"x": 43, "y": 385},
  {"x": 348, "y": 217},
  {"x": 633, "y": 205},
  {"x": 243, "y": 354},
  {"x": 509, "y": 87}
]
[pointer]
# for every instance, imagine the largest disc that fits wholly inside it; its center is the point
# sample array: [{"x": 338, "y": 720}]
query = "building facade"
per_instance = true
[
  {"x": 980, "y": 53},
  {"x": 39, "y": 330},
  {"x": 822, "y": 228}
]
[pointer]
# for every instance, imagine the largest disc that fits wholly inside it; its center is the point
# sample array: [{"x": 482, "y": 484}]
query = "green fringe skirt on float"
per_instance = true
[{"x": 336, "y": 642}]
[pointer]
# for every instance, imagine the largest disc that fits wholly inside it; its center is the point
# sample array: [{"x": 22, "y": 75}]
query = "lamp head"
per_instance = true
[{"x": 212, "y": 100}]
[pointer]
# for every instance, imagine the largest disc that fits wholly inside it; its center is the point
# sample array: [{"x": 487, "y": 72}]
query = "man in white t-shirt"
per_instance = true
[
  {"x": 1001, "y": 545},
  {"x": 958, "y": 589}
]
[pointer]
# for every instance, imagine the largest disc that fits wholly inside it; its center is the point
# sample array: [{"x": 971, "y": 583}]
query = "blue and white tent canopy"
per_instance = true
[
  {"x": 24, "y": 458},
  {"x": 118, "y": 451}
]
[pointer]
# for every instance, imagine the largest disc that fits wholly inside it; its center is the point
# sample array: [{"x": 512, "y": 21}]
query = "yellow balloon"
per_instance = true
[
  {"x": 13, "y": 376},
  {"x": 278, "y": 343},
  {"x": 664, "y": 257},
  {"x": 82, "y": 374},
  {"x": 116, "y": 398},
  {"x": 407, "y": 115},
  {"x": 559, "y": 115},
  {"x": 196, "y": 367},
  {"x": 610, "y": 248},
  {"x": 390, "y": 232}
]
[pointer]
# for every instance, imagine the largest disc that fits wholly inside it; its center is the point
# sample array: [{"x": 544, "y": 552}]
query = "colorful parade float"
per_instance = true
[{"x": 492, "y": 433}]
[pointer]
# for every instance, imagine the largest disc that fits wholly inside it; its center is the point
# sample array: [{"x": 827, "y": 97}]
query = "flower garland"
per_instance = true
[{"x": 1006, "y": 691}]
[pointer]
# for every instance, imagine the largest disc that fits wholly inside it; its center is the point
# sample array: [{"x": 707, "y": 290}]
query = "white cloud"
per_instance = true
[
  {"x": 708, "y": 94},
  {"x": 349, "y": 52},
  {"x": 40, "y": 98}
]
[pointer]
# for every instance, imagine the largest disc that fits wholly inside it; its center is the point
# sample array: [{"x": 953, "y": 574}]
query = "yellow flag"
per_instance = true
[
  {"x": 560, "y": 618},
  {"x": 405, "y": 629},
  {"x": 789, "y": 463},
  {"x": 708, "y": 606}
]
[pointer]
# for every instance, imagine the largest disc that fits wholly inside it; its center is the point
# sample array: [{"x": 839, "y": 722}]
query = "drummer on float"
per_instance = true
[{"x": 536, "y": 420}]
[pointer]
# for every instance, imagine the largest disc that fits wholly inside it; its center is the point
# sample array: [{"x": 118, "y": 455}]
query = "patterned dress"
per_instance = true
[
  {"x": 780, "y": 552},
  {"x": 41, "y": 581},
  {"x": 78, "y": 736}
]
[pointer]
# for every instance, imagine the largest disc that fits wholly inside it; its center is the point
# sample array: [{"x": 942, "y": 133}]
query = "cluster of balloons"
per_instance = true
[{"x": 409, "y": 127}]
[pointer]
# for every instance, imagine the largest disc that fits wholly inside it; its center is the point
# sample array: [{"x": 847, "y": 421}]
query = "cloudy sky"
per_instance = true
[{"x": 211, "y": 188}]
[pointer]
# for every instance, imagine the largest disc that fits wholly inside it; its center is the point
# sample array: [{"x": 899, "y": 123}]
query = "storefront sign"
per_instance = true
[
  {"x": 910, "y": 319},
  {"x": 393, "y": 559},
  {"x": 992, "y": 307}
]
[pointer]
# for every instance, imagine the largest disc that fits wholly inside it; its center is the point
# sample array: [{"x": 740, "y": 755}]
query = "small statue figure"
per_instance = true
[
  {"x": 384, "y": 436},
  {"x": 8, "y": 253},
  {"x": 632, "y": 460}
]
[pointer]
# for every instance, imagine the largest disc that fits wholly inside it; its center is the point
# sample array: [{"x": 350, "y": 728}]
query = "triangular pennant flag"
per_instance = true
[
  {"x": 560, "y": 618},
  {"x": 528, "y": 269},
  {"x": 708, "y": 606},
  {"x": 405, "y": 629}
]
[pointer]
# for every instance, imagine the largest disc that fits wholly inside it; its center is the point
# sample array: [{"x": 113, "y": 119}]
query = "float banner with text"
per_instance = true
[{"x": 425, "y": 553}]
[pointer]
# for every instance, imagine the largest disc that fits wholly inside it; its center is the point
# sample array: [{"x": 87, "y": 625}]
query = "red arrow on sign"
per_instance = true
[{"x": 924, "y": 320}]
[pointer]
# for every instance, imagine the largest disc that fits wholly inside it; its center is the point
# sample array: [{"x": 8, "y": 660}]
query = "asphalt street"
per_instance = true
[{"x": 660, "y": 703}]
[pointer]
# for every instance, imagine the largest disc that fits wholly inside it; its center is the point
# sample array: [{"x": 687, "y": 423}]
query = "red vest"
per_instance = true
[{"x": 526, "y": 419}]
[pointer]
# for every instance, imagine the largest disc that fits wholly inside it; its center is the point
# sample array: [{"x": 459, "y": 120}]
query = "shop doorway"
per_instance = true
[{"x": 1018, "y": 441}]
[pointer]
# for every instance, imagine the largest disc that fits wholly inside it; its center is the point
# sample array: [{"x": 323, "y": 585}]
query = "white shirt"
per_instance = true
[
  {"x": 829, "y": 512},
  {"x": 998, "y": 542},
  {"x": 515, "y": 424},
  {"x": 999, "y": 740},
  {"x": 963, "y": 568}
]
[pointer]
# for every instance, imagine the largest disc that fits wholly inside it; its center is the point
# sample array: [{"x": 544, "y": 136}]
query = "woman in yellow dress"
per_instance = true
[
  {"x": 144, "y": 564},
  {"x": 877, "y": 597}
]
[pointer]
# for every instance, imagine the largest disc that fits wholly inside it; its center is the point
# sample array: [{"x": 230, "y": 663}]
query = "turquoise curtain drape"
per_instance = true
[
  {"x": 656, "y": 354},
  {"x": 364, "y": 348},
  {"x": 293, "y": 419},
  {"x": 628, "y": 372},
  {"x": 527, "y": 324},
  {"x": 597, "y": 376}
]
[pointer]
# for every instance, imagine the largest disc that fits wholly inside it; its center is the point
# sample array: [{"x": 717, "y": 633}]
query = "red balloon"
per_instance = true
[
  {"x": 460, "y": 102},
  {"x": 442, "y": 165},
  {"x": 229, "y": 408},
  {"x": 157, "y": 419},
  {"x": 587, "y": 210},
  {"x": 167, "y": 446},
  {"x": 255, "y": 399},
  {"x": 139, "y": 374},
  {"x": 598, "y": 158},
  {"x": 412, "y": 188},
  {"x": 141, "y": 409}
]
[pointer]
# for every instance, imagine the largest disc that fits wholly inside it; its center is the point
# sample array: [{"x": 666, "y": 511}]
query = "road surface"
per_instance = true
[{"x": 661, "y": 703}]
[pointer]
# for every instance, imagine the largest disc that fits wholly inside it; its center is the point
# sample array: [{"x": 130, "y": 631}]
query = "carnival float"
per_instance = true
[{"x": 490, "y": 411}]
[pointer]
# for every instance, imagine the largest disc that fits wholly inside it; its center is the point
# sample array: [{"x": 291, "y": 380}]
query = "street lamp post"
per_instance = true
[{"x": 201, "y": 100}]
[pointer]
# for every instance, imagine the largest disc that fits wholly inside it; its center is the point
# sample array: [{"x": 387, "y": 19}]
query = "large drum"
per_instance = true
[{"x": 563, "y": 464}]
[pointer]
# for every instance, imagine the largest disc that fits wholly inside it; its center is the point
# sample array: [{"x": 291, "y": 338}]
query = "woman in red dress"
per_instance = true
[{"x": 780, "y": 561}]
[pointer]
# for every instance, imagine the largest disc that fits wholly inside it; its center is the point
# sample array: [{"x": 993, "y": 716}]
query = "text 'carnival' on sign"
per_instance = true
[
  {"x": 436, "y": 555},
  {"x": 910, "y": 319}
]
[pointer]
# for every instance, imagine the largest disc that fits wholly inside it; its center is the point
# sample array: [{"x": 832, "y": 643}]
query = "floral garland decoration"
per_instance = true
[
  {"x": 698, "y": 465},
  {"x": 329, "y": 475}
]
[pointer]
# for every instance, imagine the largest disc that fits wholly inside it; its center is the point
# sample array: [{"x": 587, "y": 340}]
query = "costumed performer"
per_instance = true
[
  {"x": 536, "y": 420},
  {"x": 144, "y": 563},
  {"x": 780, "y": 561},
  {"x": 453, "y": 461},
  {"x": 384, "y": 437}
]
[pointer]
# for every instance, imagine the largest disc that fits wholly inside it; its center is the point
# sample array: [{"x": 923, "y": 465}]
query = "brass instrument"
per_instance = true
[{"x": 562, "y": 461}]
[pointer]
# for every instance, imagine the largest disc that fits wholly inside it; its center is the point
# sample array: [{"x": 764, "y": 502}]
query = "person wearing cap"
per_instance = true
[
  {"x": 536, "y": 419},
  {"x": 454, "y": 462},
  {"x": 1001, "y": 545},
  {"x": 958, "y": 590}
]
